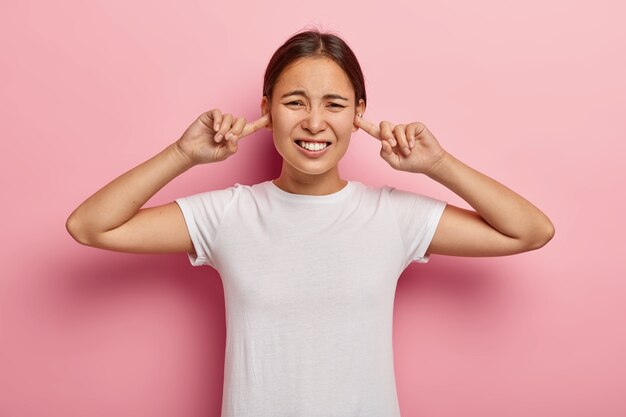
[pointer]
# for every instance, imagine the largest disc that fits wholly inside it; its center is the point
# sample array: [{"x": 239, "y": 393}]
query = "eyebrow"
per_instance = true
[{"x": 302, "y": 93}]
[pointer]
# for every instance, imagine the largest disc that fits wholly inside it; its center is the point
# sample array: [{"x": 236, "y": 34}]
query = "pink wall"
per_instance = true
[{"x": 531, "y": 93}]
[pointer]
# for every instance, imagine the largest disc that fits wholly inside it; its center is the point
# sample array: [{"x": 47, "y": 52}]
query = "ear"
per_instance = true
[
  {"x": 360, "y": 109},
  {"x": 265, "y": 109}
]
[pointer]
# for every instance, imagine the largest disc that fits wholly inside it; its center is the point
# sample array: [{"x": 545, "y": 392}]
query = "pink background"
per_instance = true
[{"x": 531, "y": 93}]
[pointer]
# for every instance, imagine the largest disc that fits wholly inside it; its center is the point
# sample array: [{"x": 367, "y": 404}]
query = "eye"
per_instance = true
[
  {"x": 336, "y": 106},
  {"x": 296, "y": 103}
]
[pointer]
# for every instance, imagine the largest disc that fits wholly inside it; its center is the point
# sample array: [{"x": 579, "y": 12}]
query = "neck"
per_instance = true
[{"x": 297, "y": 182}]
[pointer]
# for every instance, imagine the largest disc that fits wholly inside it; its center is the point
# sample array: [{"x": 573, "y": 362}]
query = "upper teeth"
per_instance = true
[{"x": 312, "y": 146}]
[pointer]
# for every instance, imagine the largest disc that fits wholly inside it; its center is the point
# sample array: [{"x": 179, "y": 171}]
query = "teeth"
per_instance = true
[{"x": 312, "y": 146}]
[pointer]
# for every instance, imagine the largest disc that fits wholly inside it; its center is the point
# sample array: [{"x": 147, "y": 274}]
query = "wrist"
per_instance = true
[
  {"x": 178, "y": 154},
  {"x": 439, "y": 169}
]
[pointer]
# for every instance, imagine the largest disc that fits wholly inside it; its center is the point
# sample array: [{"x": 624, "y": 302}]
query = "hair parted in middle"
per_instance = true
[{"x": 313, "y": 43}]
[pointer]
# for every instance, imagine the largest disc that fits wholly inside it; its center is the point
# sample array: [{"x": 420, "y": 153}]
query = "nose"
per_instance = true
[{"x": 314, "y": 121}]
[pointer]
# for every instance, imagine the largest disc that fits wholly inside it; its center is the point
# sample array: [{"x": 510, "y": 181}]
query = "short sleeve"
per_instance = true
[
  {"x": 418, "y": 216},
  {"x": 203, "y": 215}
]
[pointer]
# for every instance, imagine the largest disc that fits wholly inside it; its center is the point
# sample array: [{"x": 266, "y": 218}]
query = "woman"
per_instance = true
[{"x": 309, "y": 261}]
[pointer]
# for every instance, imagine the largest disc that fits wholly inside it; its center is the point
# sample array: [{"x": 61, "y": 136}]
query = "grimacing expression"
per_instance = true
[{"x": 312, "y": 99}]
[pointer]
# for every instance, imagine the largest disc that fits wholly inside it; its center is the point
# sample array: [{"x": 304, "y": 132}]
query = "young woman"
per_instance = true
[{"x": 309, "y": 261}]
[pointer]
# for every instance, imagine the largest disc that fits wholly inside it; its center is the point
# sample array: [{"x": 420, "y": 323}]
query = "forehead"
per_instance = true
[{"x": 317, "y": 76}]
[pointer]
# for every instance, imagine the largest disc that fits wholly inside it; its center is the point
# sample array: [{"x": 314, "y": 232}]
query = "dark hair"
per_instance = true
[{"x": 312, "y": 43}]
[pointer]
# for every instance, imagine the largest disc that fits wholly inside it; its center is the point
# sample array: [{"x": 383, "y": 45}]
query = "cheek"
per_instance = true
[
  {"x": 343, "y": 125},
  {"x": 284, "y": 122}
]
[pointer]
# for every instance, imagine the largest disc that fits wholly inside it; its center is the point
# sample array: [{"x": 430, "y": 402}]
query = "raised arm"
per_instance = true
[
  {"x": 113, "y": 217},
  {"x": 504, "y": 222}
]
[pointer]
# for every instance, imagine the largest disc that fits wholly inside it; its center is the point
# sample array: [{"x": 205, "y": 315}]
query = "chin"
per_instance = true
[{"x": 311, "y": 168}]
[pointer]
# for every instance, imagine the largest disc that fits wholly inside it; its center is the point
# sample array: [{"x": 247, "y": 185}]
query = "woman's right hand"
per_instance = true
[
  {"x": 114, "y": 217},
  {"x": 213, "y": 136}
]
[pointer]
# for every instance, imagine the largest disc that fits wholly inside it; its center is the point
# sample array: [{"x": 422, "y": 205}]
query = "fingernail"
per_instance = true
[
  {"x": 406, "y": 150},
  {"x": 229, "y": 136},
  {"x": 217, "y": 126},
  {"x": 218, "y": 137},
  {"x": 412, "y": 143}
]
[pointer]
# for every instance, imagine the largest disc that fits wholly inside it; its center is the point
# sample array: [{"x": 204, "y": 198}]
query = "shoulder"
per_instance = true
[
  {"x": 231, "y": 191},
  {"x": 220, "y": 197},
  {"x": 397, "y": 195}
]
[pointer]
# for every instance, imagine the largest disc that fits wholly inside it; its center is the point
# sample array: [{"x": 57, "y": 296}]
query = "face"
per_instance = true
[{"x": 312, "y": 100}]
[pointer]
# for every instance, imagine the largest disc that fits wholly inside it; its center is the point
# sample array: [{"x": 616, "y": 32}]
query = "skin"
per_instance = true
[
  {"x": 502, "y": 222},
  {"x": 301, "y": 108}
]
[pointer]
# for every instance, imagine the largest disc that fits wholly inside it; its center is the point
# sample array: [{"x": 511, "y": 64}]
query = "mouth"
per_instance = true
[
  {"x": 312, "y": 149},
  {"x": 312, "y": 145}
]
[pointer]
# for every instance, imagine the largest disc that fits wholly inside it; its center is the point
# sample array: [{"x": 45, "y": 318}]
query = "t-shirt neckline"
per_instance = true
[{"x": 312, "y": 198}]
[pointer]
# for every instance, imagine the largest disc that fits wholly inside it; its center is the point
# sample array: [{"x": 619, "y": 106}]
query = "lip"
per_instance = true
[
  {"x": 312, "y": 154},
  {"x": 314, "y": 140}
]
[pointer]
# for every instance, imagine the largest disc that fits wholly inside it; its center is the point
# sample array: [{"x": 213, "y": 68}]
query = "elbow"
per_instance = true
[
  {"x": 76, "y": 229},
  {"x": 543, "y": 235}
]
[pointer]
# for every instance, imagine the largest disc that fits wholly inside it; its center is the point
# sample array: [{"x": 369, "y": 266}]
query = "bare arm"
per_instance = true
[
  {"x": 113, "y": 217},
  {"x": 504, "y": 222}
]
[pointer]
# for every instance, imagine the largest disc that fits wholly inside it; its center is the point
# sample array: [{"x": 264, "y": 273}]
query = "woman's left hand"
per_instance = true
[{"x": 410, "y": 148}]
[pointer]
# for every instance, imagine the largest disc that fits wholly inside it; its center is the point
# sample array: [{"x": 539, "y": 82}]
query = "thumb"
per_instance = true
[
  {"x": 385, "y": 151},
  {"x": 229, "y": 148}
]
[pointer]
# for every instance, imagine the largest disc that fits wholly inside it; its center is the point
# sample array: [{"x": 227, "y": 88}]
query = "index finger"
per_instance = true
[
  {"x": 252, "y": 127},
  {"x": 368, "y": 126}
]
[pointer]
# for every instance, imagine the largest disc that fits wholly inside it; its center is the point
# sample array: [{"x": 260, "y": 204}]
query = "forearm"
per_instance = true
[
  {"x": 121, "y": 199},
  {"x": 506, "y": 211}
]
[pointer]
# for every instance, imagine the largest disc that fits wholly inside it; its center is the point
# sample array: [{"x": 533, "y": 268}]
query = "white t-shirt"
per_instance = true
[{"x": 309, "y": 285}]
